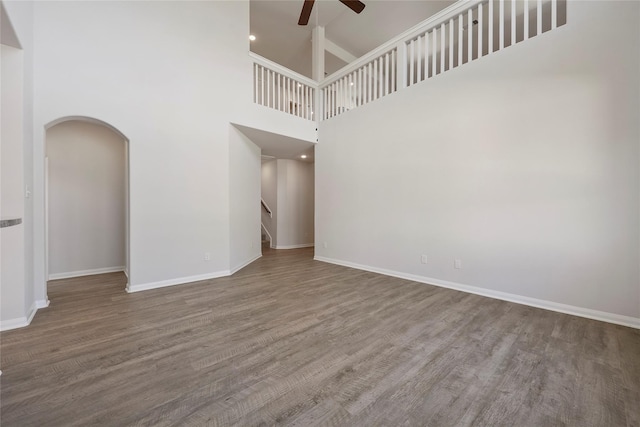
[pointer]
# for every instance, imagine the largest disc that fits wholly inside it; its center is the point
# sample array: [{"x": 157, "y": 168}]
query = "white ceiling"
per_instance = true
[
  {"x": 282, "y": 40},
  {"x": 279, "y": 146}
]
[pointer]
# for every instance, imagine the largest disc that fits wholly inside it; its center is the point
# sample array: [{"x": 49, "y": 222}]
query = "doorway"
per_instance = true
[{"x": 86, "y": 199}]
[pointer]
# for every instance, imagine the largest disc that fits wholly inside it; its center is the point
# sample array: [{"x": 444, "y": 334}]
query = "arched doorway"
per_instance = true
[{"x": 86, "y": 198}]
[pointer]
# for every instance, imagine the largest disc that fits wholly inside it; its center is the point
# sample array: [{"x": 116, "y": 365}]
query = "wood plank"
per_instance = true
[{"x": 292, "y": 341}]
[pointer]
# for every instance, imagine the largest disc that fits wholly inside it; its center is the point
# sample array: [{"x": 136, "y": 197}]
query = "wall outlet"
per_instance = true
[
  {"x": 457, "y": 264},
  {"x": 207, "y": 256},
  {"x": 423, "y": 259},
  {"x": 324, "y": 244}
]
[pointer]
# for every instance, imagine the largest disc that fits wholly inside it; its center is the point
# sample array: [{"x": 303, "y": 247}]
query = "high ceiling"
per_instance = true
[{"x": 280, "y": 38}]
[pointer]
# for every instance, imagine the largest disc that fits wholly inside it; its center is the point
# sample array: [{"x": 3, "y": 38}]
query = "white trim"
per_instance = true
[
  {"x": 177, "y": 281},
  {"x": 19, "y": 322},
  {"x": 244, "y": 264},
  {"x": 338, "y": 51},
  {"x": 32, "y": 312},
  {"x": 271, "y": 245},
  {"x": 79, "y": 273},
  {"x": 426, "y": 25},
  {"x": 603, "y": 316},
  {"x": 304, "y": 245},
  {"x": 283, "y": 70},
  {"x": 41, "y": 303}
]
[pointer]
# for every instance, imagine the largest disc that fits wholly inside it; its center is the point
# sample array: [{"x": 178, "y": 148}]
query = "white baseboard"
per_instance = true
[
  {"x": 41, "y": 303},
  {"x": 603, "y": 316},
  {"x": 304, "y": 245},
  {"x": 80, "y": 273},
  {"x": 20, "y": 322},
  {"x": 9, "y": 324},
  {"x": 176, "y": 281},
  {"x": 244, "y": 264}
]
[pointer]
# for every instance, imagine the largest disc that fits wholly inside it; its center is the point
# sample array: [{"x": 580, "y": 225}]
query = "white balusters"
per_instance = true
[
  {"x": 460, "y": 38},
  {"x": 514, "y": 21},
  {"x": 471, "y": 31},
  {"x": 480, "y": 31},
  {"x": 490, "y": 29},
  {"x": 386, "y": 74},
  {"x": 275, "y": 87},
  {"x": 526, "y": 20},
  {"x": 501, "y": 24},
  {"x": 450, "y": 43},
  {"x": 442, "y": 48},
  {"x": 539, "y": 18},
  {"x": 434, "y": 56}
]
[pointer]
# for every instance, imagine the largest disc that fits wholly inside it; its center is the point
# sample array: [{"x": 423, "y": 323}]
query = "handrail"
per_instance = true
[
  {"x": 274, "y": 86},
  {"x": 427, "y": 24},
  {"x": 283, "y": 70},
  {"x": 266, "y": 207}
]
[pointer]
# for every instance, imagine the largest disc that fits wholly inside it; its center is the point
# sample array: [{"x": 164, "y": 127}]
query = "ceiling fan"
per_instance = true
[{"x": 355, "y": 5}]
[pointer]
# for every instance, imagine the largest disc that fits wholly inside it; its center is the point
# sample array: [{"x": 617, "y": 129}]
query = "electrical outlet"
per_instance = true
[
  {"x": 325, "y": 245},
  {"x": 457, "y": 264},
  {"x": 207, "y": 256},
  {"x": 423, "y": 259}
]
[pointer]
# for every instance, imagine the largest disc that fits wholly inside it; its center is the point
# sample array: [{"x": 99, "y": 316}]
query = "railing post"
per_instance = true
[{"x": 401, "y": 65}]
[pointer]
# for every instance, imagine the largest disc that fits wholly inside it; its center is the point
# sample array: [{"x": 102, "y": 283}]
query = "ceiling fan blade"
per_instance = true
[
  {"x": 306, "y": 12},
  {"x": 355, "y": 5}
]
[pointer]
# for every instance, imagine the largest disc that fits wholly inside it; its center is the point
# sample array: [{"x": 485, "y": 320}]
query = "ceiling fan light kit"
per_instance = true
[{"x": 356, "y": 5}]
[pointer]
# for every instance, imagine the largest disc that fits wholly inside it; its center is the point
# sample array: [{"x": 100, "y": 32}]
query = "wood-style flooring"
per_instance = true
[{"x": 292, "y": 341}]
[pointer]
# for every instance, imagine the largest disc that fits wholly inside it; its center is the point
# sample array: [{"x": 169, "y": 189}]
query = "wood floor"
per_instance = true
[{"x": 292, "y": 341}]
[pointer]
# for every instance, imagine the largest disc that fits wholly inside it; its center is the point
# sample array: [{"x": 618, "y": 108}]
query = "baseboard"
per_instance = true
[
  {"x": 41, "y": 303},
  {"x": 603, "y": 316},
  {"x": 32, "y": 312},
  {"x": 176, "y": 281},
  {"x": 304, "y": 245},
  {"x": 244, "y": 264},
  {"x": 9, "y": 324},
  {"x": 19, "y": 322},
  {"x": 80, "y": 273}
]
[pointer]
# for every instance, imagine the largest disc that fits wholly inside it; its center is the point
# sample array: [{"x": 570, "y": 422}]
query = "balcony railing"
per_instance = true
[
  {"x": 282, "y": 89},
  {"x": 464, "y": 32}
]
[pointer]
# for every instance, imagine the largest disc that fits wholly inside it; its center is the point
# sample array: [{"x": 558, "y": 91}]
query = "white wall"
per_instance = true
[
  {"x": 524, "y": 165},
  {"x": 244, "y": 199},
  {"x": 13, "y": 304},
  {"x": 295, "y": 204},
  {"x": 87, "y": 208},
  {"x": 269, "y": 191},
  {"x": 169, "y": 76},
  {"x": 20, "y": 16}
]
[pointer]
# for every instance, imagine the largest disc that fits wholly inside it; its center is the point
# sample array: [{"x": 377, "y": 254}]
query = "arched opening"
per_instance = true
[{"x": 86, "y": 199}]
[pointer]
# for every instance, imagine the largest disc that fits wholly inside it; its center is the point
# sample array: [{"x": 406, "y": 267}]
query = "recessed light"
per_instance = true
[
  {"x": 252, "y": 37},
  {"x": 304, "y": 156},
  {"x": 351, "y": 84}
]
